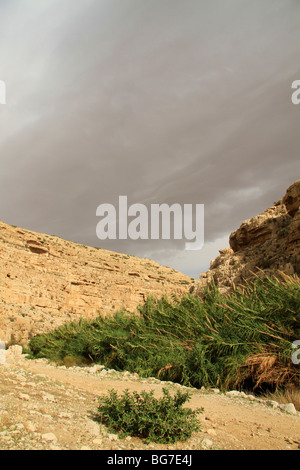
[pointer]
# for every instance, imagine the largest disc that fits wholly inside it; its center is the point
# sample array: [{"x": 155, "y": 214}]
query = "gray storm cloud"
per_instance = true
[{"x": 163, "y": 101}]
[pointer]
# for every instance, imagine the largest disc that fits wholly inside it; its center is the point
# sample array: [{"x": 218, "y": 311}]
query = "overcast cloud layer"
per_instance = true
[{"x": 163, "y": 101}]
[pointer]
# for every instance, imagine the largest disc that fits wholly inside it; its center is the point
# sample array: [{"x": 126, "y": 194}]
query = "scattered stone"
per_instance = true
[
  {"x": 251, "y": 397},
  {"x": 16, "y": 350},
  {"x": 34, "y": 423},
  {"x": 49, "y": 437},
  {"x": 93, "y": 427},
  {"x": 272, "y": 403},
  {"x": 30, "y": 426},
  {"x": 20, "y": 426},
  {"x": 233, "y": 393},
  {"x": 211, "y": 432},
  {"x": 95, "y": 368},
  {"x": 24, "y": 396},
  {"x": 207, "y": 444},
  {"x": 63, "y": 414},
  {"x": 289, "y": 408},
  {"x": 98, "y": 442},
  {"x": 48, "y": 397}
]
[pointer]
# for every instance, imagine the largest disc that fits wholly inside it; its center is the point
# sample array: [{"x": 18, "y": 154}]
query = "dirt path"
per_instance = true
[{"x": 43, "y": 406}]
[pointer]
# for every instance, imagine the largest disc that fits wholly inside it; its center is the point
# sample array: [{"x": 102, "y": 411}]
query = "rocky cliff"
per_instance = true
[
  {"x": 263, "y": 245},
  {"x": 46, "y": 281}
]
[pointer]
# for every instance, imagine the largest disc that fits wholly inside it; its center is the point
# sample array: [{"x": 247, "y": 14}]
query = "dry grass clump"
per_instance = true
[
  {"x": 290, "y": 394},
  {"x": 266, "y": 368}
]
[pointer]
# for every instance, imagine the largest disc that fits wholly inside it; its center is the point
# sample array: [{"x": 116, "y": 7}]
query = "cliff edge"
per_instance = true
[{"x": 264, "y": 245}]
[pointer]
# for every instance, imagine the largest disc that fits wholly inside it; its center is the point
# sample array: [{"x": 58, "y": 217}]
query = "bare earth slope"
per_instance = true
[
  {"x": 46, "y": 281},
  {"x": 43, "y": 406}
]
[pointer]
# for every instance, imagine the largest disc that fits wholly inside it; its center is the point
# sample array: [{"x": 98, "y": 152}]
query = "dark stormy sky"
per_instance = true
[{"x": 165, "y": 101}]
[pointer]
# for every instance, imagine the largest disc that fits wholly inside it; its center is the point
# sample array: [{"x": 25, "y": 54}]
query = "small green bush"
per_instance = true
[{"x": 162, "y": 420}]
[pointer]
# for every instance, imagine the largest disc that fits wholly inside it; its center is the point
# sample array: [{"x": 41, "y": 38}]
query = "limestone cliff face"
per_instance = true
[
  {"x": 46, "y": 281},
  {"x": 265, "y": 245}
]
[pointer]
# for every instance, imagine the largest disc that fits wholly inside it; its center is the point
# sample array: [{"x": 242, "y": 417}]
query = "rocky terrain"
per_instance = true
[
  {"x": 263, "y": 245},
  {"x": 48, "y": 407},
  {"x": 46, "y": 281}
]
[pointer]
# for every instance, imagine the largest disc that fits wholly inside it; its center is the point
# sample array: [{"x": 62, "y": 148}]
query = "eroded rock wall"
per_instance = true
[
  {"x": 265, "y": 245},
  {"x": 45, "y": 281}
]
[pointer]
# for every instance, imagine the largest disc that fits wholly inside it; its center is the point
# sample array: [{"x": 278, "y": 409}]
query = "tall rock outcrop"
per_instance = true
[
  {"x": 264, "y": 245},
  {"x": 46, "y": 281}
]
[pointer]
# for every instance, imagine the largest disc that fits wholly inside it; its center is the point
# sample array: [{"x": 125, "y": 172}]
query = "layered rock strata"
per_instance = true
[{"x": 46, "y": 281}]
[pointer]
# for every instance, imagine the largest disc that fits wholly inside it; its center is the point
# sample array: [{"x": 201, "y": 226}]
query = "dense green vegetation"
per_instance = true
[
  {"x": 239, "y": 340},
  {"x": 162, "y": 420}
]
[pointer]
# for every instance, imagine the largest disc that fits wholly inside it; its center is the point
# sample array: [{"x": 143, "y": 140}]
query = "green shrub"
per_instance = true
[
  {"x": 237, "y": 340},
  {"x": 162, "y": 420}
]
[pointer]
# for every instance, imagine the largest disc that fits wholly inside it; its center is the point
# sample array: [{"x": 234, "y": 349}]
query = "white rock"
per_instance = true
[
  {"x": 49, "y": 436},
  {"x": 211, "y": 432},
  {"x": 233, "y": 393},
  {"x": 31, "y": 427},
  {"x": 48, "y": 397},
  {"x": 95, "y": 368},
  {"x": 272, "y": 403},
  {"x": 289, "y": 408},
  {"x": 20, "y": 426},
  {"x": 251, "y": 397},
  {"x": 98, "y": 442},
  {"x": 207, "y": 444},
  {"x": 16, "y": 350},
  {"x": 93, "y": 428},
  {"x": 24, "y": 396},
  {"x": 63, "y": 414}
]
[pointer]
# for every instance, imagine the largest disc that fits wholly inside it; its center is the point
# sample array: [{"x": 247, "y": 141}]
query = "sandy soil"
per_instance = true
[{"x": 43, "y": 406}]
